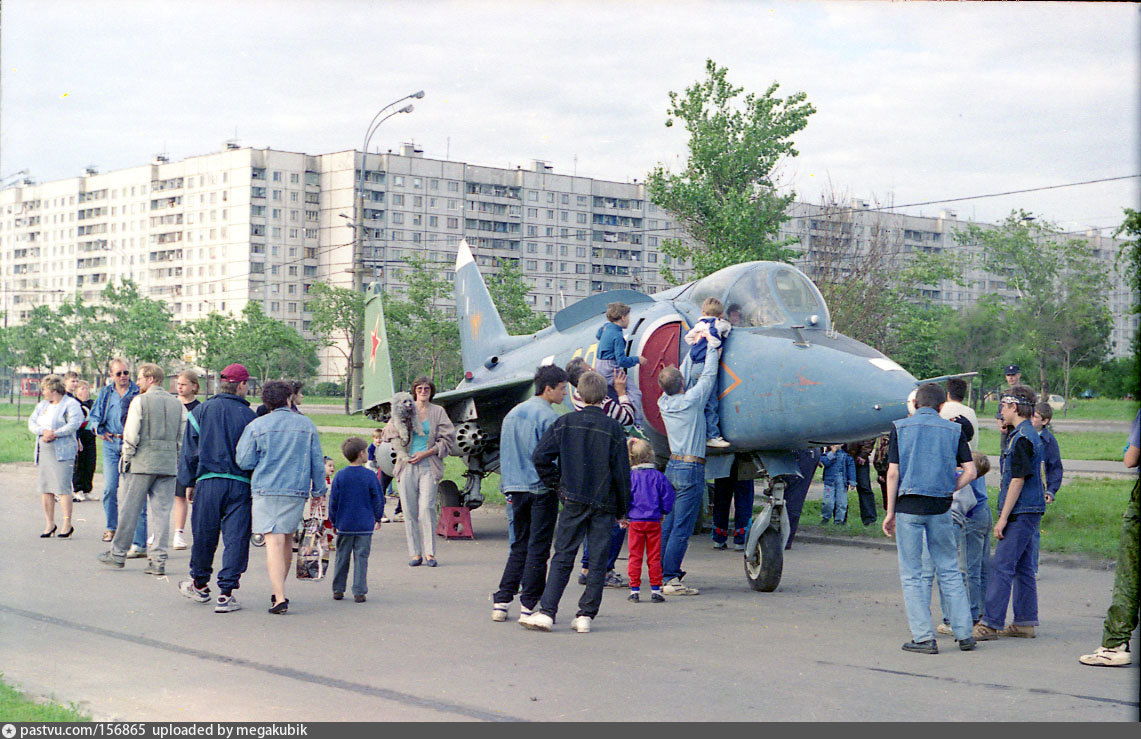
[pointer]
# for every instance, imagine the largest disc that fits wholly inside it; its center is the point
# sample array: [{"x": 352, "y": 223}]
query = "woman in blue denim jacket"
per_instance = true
[
  {"x": 284, "y": 452},
  {"x": 55, "y": 421}
]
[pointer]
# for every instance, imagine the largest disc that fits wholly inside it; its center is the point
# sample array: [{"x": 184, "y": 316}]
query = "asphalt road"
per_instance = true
[{"x": 824, "y": 647}]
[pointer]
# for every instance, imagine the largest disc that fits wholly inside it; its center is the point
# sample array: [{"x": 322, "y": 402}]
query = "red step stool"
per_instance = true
[{"x": 455, "y": 523}]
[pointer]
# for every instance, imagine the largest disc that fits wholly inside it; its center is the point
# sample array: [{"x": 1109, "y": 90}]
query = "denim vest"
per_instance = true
[
  {"x": 928, "y": 446},
  {"x": 1032, "y": 499},
  {"x": 284, "y": 452}
]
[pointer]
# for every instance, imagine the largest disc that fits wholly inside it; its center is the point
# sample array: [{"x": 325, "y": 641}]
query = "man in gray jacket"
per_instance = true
[{"x": 152, "y": 437}]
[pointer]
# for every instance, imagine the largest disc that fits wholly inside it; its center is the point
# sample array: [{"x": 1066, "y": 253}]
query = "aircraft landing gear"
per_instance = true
[{"x": 764, "y": 548}]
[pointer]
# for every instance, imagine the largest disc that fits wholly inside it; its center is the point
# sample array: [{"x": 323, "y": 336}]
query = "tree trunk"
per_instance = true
[{"x": 348, "y": 384}]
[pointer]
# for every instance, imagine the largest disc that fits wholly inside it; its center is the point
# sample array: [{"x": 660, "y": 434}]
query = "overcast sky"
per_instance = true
[{"x": 915, "y": 101}]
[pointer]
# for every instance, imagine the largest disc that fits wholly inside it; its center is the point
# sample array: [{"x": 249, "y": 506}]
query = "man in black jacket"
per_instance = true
[{"x": 583, "y": 457}]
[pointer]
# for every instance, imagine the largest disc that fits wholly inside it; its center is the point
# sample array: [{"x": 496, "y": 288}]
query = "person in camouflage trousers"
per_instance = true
[{"x": 1122, "y": 617}]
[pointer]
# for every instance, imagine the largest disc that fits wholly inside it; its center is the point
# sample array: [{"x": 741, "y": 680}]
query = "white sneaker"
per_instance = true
[
  {"x": 717, "y": 443},
  {"x": 524, "y": 612},
  {"x": 537, "y": 621},
  {"x": 79, "y": 496},
  {"x": 943, "y": 629},
  {"x": 675, "y": 587},
  {"x": 179, "y": 542},
  {"x": 581, "y": 624},
  {"x": 135, "y": 553},
  {"x": 499, "y": 612},
  {"x": 150, "y": 541},
  {"x": 1117, "y": 657}
]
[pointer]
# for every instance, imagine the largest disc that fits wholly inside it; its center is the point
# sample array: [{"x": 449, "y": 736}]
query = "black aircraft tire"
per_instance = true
[{"x": 764, "y": 576}]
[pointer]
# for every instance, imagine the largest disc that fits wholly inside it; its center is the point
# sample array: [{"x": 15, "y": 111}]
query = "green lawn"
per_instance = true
[
  {"x": 340, "y": 419},
  {"x": 14, "y": 706},
  {"x": 16, "y": 443},
  {"x": 1097, "y": 445},
  {"x": 1099, "y": 408},
  {"x": 1084, "y": 519}
]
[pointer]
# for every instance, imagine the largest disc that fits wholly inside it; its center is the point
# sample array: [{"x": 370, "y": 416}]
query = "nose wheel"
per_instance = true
[{"x": 765, "y": 563}]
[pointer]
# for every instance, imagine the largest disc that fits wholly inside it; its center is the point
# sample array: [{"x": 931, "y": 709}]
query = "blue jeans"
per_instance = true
[
  {"x": 976, "y": 552},
  {"x": 835, "y": 503},
  {"x": 510, "y": 521},
  {"x": 617, "y": 537},
  {"x": 712, "y": 401},
  {"x": 911, "y": 531},
  {"x": 356, "y": 546},
  {"x": 929, "y": 569},
  {"x": 1012, "y": 575},
  {"x": 112, "y": 450},
  {"x": 688, "y": 480}
]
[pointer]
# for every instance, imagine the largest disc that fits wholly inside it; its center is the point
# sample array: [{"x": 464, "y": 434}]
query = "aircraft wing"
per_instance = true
[
  {"x": 944, "y": 378},
  {"x": 507, "y": 387}
]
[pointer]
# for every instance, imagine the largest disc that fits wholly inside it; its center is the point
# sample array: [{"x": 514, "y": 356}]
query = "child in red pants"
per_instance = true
[{"x": 651, "y": 498}]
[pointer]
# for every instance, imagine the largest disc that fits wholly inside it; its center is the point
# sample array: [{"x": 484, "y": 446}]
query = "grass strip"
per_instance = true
[{"x": 15, "y": 706}]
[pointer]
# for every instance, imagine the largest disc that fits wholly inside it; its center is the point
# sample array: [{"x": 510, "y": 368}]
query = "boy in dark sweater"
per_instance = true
[
  {"x": 356, "y": 505},
  {"x": 583, "y": 457}
]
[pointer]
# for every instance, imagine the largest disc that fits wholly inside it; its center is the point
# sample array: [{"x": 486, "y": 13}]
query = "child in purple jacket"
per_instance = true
[{"x": 651, "y": 498}]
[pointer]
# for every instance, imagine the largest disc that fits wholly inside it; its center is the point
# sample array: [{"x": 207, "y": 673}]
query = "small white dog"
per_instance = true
[{"x": 401, "y": 418}]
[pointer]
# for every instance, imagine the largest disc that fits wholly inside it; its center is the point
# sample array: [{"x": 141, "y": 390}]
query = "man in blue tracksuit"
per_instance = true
[
  {"x": 219, "y": 489},
  {"x": 108, "y": 415}
]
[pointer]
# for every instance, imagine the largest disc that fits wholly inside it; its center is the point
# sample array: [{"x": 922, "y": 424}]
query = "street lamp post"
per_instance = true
[{"x": 358, "y": 241}]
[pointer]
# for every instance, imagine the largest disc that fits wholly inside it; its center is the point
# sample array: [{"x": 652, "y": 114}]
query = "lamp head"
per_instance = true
[
  {"x": 417, "y": 95},
  {"x": 406, "y": 109}
]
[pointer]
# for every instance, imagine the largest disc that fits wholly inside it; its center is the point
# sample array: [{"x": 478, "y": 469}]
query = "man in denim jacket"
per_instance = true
[
  {"x": 283, "y": 450},
  {"x": 108, "y": 415},
  {"x": 534, "y": 507},
  {"x": 923, "y": 453},
  {"x": 1021, "y": 503}
]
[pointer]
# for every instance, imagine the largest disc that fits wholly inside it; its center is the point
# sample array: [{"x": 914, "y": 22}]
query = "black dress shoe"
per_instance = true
[
  {"x": 923, "y": 647},
  {"x": 49, "y": 534},
  {"x": 69, "y": 533}
]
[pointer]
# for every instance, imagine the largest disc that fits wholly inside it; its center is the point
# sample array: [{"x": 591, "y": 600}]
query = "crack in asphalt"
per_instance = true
[
  {"x": 287, "y": 672},
  {"x": 977, "y": 684}
]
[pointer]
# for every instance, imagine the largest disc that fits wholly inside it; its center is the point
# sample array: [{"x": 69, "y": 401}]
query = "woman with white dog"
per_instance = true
[{"x": 422, "y": 436}]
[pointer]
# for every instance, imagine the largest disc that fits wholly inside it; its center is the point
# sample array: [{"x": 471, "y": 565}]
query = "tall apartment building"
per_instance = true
[
  {"x": 856, "y": 223},
  {"x": 217, "y": 231},
  {"x": 214, "y": 232}
]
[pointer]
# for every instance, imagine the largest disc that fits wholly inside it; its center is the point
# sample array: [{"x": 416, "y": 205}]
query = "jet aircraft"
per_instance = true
[{"x": 787, "y": 380}]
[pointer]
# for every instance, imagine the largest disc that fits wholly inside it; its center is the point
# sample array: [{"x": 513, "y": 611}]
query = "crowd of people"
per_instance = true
[{"x": 580, "y": 479}]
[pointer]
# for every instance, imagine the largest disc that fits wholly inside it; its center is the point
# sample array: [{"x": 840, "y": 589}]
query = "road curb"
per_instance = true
[{"x": 1069, "y": 561}]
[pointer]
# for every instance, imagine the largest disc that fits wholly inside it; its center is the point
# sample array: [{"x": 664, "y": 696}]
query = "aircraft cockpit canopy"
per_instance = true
[{"x": 764, "y": 295}]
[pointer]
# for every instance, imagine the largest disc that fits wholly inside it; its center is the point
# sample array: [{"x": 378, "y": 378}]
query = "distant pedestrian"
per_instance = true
[
  {"x": 356, "y": 507},
  {"x": 152, "y": 439},
  {"x": 83, "y": 479},
  {"x": 535, "y": 506},
  {"x": 651, "y": 498},
  {"x": 582, "y": 456},
  {"x": 54, "y": 422},
  {"x": 186, "y": 386},
  {"x": 220, "y": 490},
  {"x": 740, "y": 494},
  {"x": 108, "y": 414},
  {"x": 839, "y": 478},
  {"x": 861, "y": 454},
  {"x": 1013, "y": 376},
  {"x": 283, "y": 452}
]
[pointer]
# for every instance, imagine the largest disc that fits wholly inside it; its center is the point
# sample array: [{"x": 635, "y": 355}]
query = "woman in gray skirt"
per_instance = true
[{"x": 54, "y": 422}]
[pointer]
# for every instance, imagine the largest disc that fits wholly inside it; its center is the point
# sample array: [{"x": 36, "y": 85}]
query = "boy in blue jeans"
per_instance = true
[
  {"x": 356, "y": 505},
  {"x": 839, "y": 478},
  {"x": 923, "y": 452},
  {"x": 711, "y": 330}
]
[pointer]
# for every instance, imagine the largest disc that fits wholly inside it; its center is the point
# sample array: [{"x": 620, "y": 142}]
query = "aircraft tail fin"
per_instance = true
[
  {"x": 377, "y": 371},
  {"x": 482, "y": 333}
]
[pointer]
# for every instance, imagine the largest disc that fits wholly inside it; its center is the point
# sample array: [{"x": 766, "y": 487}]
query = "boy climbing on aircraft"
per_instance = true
[
  {"x": 612, "y": 353},
  {"x": 710, "y": 331}
]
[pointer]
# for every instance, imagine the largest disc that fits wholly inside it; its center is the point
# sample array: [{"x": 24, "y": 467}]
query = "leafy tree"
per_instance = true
[
  {"x": 89, "y": 335},
  {"x": 269, "y": 347},
  {"x": 509, "y": 293},
  {"x": 1060, "y": 315},
  {"x": 139, "y": 328},
  {"x": 726, "y": 197},
  {"x": 210, "y": 339},
  {"x": 338, "y": 318},
  {"x": 422, "y": 337},
  {"x": 43, "y": 341}
]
